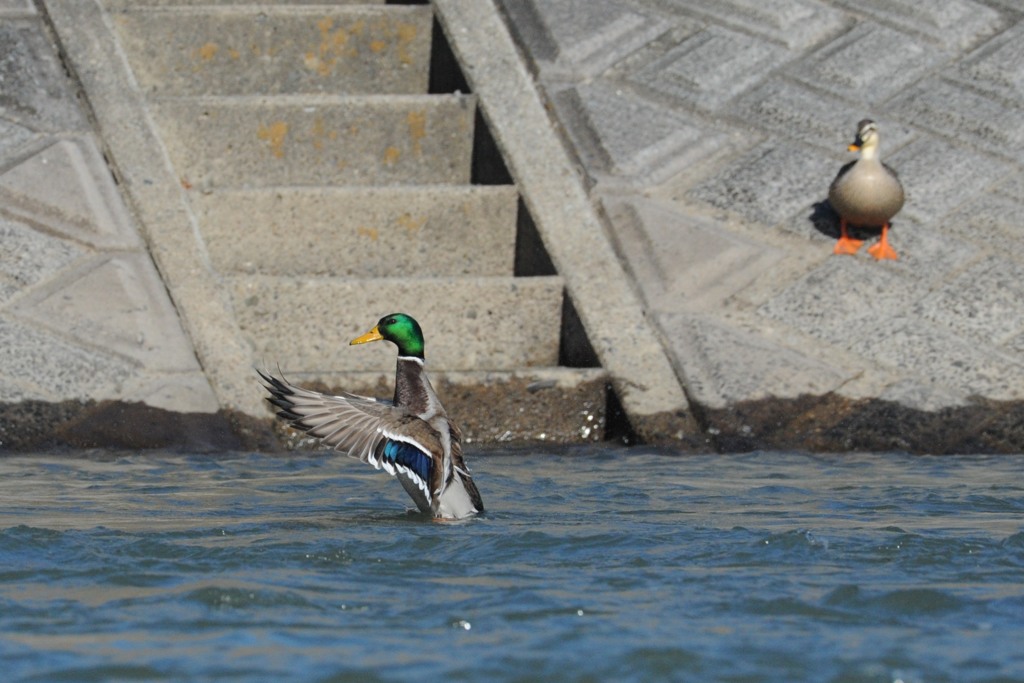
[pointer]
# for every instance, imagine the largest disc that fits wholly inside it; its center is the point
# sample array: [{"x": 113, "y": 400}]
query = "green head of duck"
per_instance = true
[{"x": 401, "y": 330}]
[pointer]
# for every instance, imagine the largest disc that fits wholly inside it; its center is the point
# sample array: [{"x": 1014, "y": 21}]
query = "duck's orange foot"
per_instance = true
[
  {"x": 847, "y": 245},
  {"x": 881, "y": 249}
]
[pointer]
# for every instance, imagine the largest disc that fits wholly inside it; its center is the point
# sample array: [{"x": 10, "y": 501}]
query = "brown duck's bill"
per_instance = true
[
  {"x": 372, "y": 335},
  {"x": 854, "y": 147}
]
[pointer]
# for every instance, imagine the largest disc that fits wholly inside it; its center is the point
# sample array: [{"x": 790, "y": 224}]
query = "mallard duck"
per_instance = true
[
  {"x": 410, "y": 437},
  {"x": 866, "y": 192}
]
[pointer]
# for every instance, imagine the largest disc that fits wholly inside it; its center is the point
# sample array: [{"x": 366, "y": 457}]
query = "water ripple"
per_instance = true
[{"x": 626, "y": 565}]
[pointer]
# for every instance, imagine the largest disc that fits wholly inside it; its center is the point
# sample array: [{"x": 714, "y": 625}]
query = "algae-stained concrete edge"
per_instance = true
[
  {"x": 611, "y": 311},
  {"x": 157, "y": 199}
]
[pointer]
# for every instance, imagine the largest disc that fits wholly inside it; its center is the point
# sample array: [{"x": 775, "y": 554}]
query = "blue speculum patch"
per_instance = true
[{"x": 406, "y": 454}]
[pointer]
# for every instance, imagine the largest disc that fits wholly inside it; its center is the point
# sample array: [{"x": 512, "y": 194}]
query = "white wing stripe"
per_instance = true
[
  {"x": 420, "y": 484},
  {"x": 404, "y": 439}
]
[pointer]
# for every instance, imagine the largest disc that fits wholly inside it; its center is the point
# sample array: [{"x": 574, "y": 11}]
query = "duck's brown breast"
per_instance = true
[{"x": 867, "y": 194}]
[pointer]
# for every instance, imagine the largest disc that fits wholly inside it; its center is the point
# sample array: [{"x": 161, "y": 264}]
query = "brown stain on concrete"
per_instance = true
[
  {"x": 207, "y": 51},
  {"x": 410, "y": 223},
  {"x": 406, "y": 35},
  {"x": 335, "y": 44},
  {"x": 275, "y": 134},
  {"x": 320, "y": 134},
  {"x": 417, "y": 122}
]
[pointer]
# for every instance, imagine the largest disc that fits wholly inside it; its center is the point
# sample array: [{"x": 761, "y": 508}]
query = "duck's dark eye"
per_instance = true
[{"x": 390, "y": 321}]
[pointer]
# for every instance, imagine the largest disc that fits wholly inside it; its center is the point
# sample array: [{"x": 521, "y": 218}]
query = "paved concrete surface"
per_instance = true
[
  {"x": 285, "y": 170},
  {"x": 709, "y": 133},
  {"x": 611, "y": 312},
  {"x": 83, "y": 311},
  {"x": 682, "y": 207}
]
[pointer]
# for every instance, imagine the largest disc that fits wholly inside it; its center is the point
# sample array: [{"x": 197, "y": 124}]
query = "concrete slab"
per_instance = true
[
  {"x": 159, "y": 200},
  {"x": 609, "y": 309},
  {"x": 838, "y": 301},
  {"x": 922, "y": 397},
  {"x": 17, "y": 8},
  {"x": 960, "y": 114},
  {"x": 305, "y": 324},
  {"x": 940, "y": 176},
  {"x": 984, "y": 303},
  {"x": 30, "y": 257},
  {"x": 952, "y": 23},
  {"x": 770, "y": 183},
  {"x": 990, "y": 221},
  {"x": 119, "y": 304},
  {"x": 36, "y": 92},
  {"x": 926, "y": 350},
  {"x": 128, "y": 4},
  {"x": 68, "y": 186},
  {"x": 691, "y": 265},
  {"x": 703, "y": 68},
  {"x": 309, "y": 140},
  {"x": 794, "y": 23},
  {"x": 178, "y": 392},
  {"x": 929, "y": 253},
  {"x": 361, "y": 232},
  {"x": 803, "y": 113},
  {"x": 869, "y": 64},
  {"x": 1012, "y": 186},
  {"x": 724, "y": 365},
  {"x": 13, "y": 137},
  {"x": 574, "y": 43},
  {"x": 745, "y": 277},
  {"x": 46, "y": 367},
  {"x": 73, "y": 332},
  {"x": 997, "y": 66},
  {"x": 626, "y": 139},
  {"x": 285, "y": 49}
]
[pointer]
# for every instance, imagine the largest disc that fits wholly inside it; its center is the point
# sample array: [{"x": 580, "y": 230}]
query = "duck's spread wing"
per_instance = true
[{"x": 374, "y": 431}]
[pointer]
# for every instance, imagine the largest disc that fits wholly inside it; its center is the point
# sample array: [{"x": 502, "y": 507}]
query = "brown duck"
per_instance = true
[{"x": 866, "y": 193}]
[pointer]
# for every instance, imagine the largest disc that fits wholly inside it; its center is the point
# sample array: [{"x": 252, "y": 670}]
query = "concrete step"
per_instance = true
[
  {"x": 277, "y": 49},
  {"x": 562, "y": 405},
  {"x": 305, "y": 324},
  {"x": 217, "y": 142},
  {"x": 367, "y": 232}
]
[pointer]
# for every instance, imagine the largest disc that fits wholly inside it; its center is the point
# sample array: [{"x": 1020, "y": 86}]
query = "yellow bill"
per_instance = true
[{"x": 372, "y": 335}]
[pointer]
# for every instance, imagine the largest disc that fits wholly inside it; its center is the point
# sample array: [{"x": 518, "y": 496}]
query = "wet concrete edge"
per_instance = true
[{"x": 821, "y": 424}]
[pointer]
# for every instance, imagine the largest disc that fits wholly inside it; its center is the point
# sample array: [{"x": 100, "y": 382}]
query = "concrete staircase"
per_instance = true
[{"x": 328, "y": 187}]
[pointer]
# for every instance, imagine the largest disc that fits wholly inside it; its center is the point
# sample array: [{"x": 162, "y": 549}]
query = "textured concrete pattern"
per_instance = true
[
  {"x": 188, "y": 189},
  {"x": 213, "y": 51},
  {"x": 514, "y": 315},
  {"x": 386, "y": 231},
  {"x": 296, "y": 173},
  {"x": 710, "y": 131},
  {"x": 620, "y": 334},
  {"x": 84, "y": 315},
  {"x": 314, "y": 140}
]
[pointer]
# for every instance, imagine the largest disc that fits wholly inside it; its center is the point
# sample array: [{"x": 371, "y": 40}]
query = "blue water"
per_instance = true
[{"x": 608, "y": 565}]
